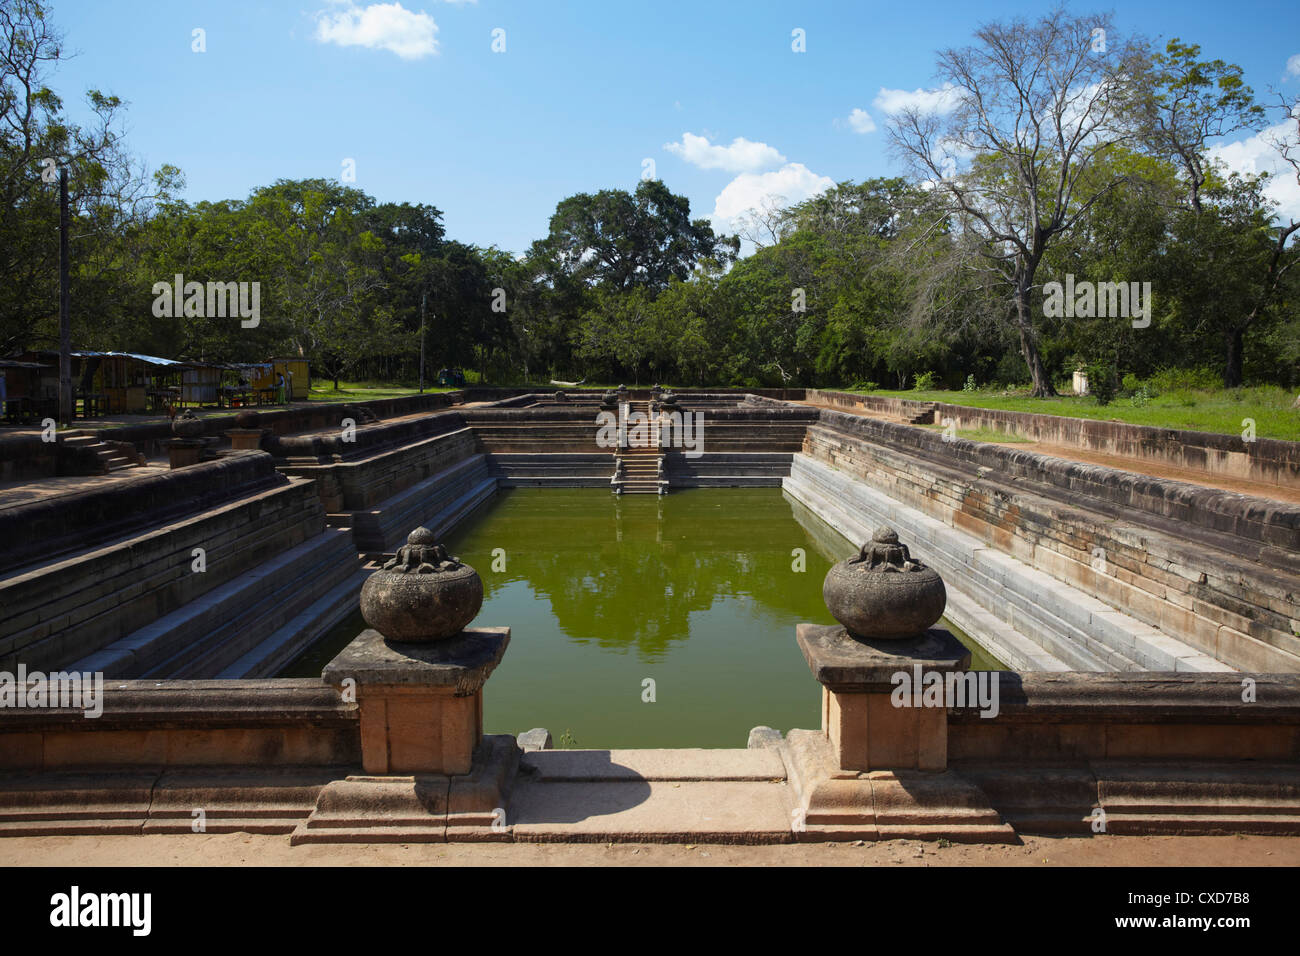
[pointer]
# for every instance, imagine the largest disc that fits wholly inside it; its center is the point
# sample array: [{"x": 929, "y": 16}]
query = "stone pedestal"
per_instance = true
[
  {"x": 421, "y": 704},
  {"x": 878, "y": 768},
  {"x": 430, "y": 773},
  {"x": 245, "y": 439},
  {"x": 183, "y": 451},
  {"x": 862, "y": 716}
]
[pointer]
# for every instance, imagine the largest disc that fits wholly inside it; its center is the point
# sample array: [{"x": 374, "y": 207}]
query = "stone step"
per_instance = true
[
  {"x": 439, "y": 501},
  {"x": 273, "y": 653},
  {"x": 249, "y": 626},
  {"x": 273, "y": 589},
  {"x": 1065, "y": 622}
]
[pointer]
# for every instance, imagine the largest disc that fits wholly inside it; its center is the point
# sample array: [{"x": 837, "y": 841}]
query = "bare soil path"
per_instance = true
[{"x": 246, "y": 849}]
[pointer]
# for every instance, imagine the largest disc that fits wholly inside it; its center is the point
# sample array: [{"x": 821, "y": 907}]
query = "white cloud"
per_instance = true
[
  {"x": 792, "y": 183},
  {"x": 742, "y": 156},
  {"x": 380, "y": 26},
  {"x": 1293, "y": 65},
  {"x": 860, "y": 121},
  {"x": 1256, "y": 154},
  {"x": 943, "y": 100}
]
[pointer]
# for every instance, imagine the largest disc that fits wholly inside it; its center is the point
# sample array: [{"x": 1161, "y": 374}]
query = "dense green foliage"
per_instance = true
[{"x": 900, "y": 281}]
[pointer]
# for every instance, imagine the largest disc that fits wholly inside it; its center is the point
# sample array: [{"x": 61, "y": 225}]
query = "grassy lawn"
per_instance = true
[
  {"x": 324, "y": 391},
  {"x": 1221, "y": 410},
  {"x": 984, "y": 434}
]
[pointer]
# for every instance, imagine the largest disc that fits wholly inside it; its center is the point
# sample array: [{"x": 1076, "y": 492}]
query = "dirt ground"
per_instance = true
[{"x": 238, "y": 849}]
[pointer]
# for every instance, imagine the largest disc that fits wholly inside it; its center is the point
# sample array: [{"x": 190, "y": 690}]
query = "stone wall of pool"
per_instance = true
[
  {"x": 1052, "y": 564},
  {"x": 1151, "y": 627}
]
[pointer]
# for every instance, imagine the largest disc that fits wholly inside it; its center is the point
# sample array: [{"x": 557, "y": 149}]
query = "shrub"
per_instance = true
[
  {"x": 1012, "y": 369},
  {"x": 1177, "y": 379},
  {"x": 924, "y": 382},
  {"x": 1131, "y": 382},
  {"x": 970, "y": 385},
  {"x": 861, "y": 386},
  {"x": 1101, "y": 381}
]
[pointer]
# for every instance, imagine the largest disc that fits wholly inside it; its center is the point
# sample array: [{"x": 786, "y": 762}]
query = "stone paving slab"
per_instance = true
[
  {"x": 652, "y": 812},
  {"x": 646, "y": 765},
  {"x": 14, "y": 493}
]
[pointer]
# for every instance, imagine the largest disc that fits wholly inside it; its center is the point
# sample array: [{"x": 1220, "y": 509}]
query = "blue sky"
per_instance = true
[{"x": 582, "y": 95}]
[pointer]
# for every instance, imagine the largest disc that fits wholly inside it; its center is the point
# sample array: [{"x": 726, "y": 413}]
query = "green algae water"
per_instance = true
[{"x": 645, "y": 621}]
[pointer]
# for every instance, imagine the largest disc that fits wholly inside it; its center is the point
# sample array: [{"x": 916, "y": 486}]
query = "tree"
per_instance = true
[
  {"x": 1180, "y": 103},
  {"x": 1034, "y": 105},
  {"x": 325, "y": 265},
  {"x": 109, "y": 195},
  {"x": 624, "y": 240}
]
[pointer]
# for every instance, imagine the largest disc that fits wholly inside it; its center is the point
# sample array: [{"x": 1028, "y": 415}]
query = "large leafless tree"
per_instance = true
[{"x": 1027, "y": 114}]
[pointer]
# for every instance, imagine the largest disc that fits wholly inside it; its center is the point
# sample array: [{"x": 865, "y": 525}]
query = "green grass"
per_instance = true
[
  {"x": 984, "y": 434},
  {"x": 1219, "y": 410},
  {"x": 324, "y": 391}
]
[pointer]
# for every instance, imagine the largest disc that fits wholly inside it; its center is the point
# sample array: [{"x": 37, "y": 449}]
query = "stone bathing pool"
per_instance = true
[{"x": 697, "y": 592}]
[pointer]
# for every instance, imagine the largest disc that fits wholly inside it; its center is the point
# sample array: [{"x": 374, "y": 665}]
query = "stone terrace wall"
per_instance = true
[
  {"x": 65, "y": 610},
  {"x": 387, "y": 459},
  {"x": 556, "y": 429},
  {"x": 148, "y": 436},
  {"x": 328, "y": 445},
  {"x": 1267, "y": 459},
  {"x": 1216, "y": 570},
  {"x": 24, "y": 457},
  {"x": 42, "y": 529},
  {"x": 407, "y": 473}
]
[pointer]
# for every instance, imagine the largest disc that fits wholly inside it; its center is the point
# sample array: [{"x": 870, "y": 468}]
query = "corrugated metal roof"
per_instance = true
[{"x": 151, "y": 359}]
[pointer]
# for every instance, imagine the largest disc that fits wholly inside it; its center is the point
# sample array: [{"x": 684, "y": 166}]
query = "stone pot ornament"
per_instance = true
[
  {"x": 247, "y": 418},
  {"x": 422, "y": 594},
  {"x": 884, "y": 593},
  {"x": 187, "y": 425}
]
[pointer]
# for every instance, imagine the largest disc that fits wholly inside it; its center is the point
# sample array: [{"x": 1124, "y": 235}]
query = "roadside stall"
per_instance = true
[
  {"x": 127, "y": 378},
  {"x": 240, "y": 383},
  {"x": 200, "y": 383},
  {"x": 22, "y": 398},
  {"x": 296, "y": 381}
]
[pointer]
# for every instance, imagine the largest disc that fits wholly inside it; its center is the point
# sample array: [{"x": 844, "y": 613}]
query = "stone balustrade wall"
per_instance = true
[
  {"x": 147, "y": 725},
  {"x": 1151, "y": 753}
]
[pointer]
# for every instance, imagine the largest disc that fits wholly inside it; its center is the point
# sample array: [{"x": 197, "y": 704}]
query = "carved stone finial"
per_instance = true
[
  {"x": 187, "y": 425},
  {"x": 422, "y": 593},
  {"x": 884, "y": 553},
  {"x": 884, "y": 592}
]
